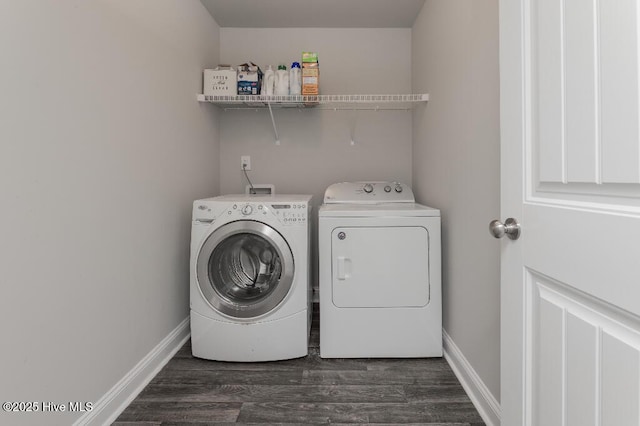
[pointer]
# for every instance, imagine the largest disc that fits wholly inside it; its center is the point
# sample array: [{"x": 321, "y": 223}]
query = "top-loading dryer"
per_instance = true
[{"x": 380, "y": 273}]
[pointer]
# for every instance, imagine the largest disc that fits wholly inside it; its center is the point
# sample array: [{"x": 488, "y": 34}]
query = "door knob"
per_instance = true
[{"x": 510, "y": 228}]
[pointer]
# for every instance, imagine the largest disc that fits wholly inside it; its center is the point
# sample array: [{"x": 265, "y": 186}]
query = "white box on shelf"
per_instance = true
[{"x": 221, "y": 81}]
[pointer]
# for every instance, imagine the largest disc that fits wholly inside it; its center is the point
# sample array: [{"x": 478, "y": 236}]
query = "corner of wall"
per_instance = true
[{"x": 487, "y": 405}]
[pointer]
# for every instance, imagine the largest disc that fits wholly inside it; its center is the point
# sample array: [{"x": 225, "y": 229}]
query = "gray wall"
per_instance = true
[
  {"x": 456, "y": 165},
  {"x": 103, "y": 148},
  {"x": 316, "y": 148}
]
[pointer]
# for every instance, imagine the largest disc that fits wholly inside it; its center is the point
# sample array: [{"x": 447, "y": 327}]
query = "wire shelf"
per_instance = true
[{"x": 338, "y": 102}]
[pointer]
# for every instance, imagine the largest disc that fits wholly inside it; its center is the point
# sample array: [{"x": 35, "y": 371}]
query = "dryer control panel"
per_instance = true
[{"x": 368, "y": 193}]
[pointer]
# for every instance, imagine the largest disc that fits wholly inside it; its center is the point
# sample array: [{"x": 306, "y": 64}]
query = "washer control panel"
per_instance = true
[
  {"x": 368, "y": 193},
  {"x": 291, "y": 213},
  {"x": 244, "y": 210},
  {"x": 287, "y": 213}
]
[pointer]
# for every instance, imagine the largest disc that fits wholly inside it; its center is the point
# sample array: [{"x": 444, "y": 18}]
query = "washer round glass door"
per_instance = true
[{"x": 245, "y": 269}]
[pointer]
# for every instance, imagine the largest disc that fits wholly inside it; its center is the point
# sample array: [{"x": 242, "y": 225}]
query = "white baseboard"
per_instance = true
[
  {"x": 480, "y": 396},
  {"x": 113, "y": 403}
]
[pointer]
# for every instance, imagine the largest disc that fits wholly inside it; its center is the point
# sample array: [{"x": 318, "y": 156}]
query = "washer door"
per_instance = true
[{"x": 245, "y": 269}]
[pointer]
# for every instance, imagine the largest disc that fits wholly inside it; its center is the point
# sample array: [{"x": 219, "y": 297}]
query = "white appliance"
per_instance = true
[
  {"x": 380, "y": 273},
  {"x": 250, "y": 287}
]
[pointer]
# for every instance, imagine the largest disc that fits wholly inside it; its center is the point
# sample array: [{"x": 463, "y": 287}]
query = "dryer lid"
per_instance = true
[{"x": 368, "y": 193}]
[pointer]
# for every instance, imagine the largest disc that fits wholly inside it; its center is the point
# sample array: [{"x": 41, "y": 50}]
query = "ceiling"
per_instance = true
[{"x": 314, "y": 13}]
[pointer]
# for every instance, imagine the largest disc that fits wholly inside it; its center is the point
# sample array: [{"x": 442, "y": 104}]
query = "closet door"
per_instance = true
[{"x": 571, "y": 176}]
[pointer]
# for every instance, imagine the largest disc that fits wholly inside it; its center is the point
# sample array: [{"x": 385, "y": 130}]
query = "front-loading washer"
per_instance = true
[
  {"x": 250, "y": 285},
  {"x": 379, "y": 273}
]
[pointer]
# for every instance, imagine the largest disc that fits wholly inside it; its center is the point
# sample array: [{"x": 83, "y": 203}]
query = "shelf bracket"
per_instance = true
[
  {"x": 273, "y": 121},
  {"x": 354, "y": 119}
]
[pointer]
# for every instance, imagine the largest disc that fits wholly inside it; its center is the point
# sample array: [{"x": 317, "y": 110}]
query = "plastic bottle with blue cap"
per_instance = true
[{"x": 295, "y": 79}]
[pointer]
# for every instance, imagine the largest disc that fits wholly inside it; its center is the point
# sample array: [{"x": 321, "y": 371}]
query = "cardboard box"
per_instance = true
[
  {"x": 310, "y": 74},
  {"x": 220, "y": 81},
  {"x": 309, "y": 57},
  {"x": 249, "y": 79},
  {"x": 310, "y": 81}
]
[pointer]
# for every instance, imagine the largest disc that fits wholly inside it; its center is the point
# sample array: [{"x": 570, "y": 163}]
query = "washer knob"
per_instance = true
[
  {"x": 387, "y": 188},
  {"x": 247, "y": 210},
  {"x": 368, "y": 188},
  {"x": 398, "y": 188}
]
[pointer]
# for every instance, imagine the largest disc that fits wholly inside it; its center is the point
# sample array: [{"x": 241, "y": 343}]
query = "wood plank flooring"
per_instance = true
[{"x": 307, "y": 390}]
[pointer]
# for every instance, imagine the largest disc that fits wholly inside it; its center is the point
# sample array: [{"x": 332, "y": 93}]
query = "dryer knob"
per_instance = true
[
  {"x": 398, "y": 188},
  {"x": 247, "y": 210},
  {"x": 368, "y": 188},
  {"x": 387, "y": 188}
]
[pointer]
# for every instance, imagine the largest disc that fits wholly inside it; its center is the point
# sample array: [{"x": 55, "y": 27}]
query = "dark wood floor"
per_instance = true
[{"x": 307, "y": 390}]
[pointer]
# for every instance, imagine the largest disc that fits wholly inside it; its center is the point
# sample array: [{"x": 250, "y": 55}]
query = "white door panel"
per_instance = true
[
  {"x": 570, "y": 137},
  {"x": 581, "y": 91},
  {"x": 581, "y": 367},
  {"x": 620, "y": 374},
  {"x": 380, "y": 266},
  {"x": 550, "y": 93},
  {"x": 618, "y": 23},
  {"x": 584, "y": 97},
  {"x": 584, "y": 358}
]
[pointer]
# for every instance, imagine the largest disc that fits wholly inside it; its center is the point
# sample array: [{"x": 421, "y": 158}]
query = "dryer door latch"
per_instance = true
[{"x": 344, "y": 267}]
